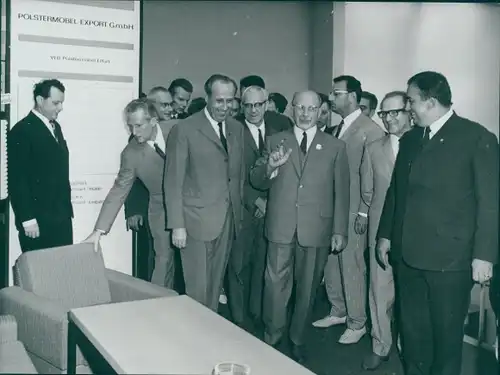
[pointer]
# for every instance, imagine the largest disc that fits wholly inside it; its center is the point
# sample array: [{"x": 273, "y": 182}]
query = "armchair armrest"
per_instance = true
[
  {"x": 43, "y": 325},
  {"x": 8, "y": 329},
  {"x": 125, "y": 288}
]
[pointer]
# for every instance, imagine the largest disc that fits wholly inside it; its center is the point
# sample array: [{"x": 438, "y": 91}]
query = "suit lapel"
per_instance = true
[
  {"x": 387, "y": 149},
  {"x": 205, "y": 127},
  {"x": 440, "y": 137},
  {"x": 315, "y": 150},
  {"x": 352, "y": 128},
  {"x": 291, "y": 142},
  {"x": 250, "y": 139}
]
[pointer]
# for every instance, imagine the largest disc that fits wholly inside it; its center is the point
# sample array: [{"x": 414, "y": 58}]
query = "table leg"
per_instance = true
[{"x": 71, "y": 355}]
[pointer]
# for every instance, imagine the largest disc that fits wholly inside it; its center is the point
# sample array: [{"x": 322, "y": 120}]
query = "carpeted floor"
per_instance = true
[{"x": 326, "y": 357}]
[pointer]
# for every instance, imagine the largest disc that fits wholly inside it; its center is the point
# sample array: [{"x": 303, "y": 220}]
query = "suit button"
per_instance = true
[
  {"x": 228, "y": 180},
  {"x": 296, "y": 205},
  {"x": 301, "y": 186}
]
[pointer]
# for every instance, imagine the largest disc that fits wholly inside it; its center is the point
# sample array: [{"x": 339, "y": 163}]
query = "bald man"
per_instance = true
[{"x": 307, "y": 175}]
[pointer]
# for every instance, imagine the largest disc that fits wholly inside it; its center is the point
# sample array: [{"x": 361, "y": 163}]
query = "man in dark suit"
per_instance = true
[
  {"x": 440, "y": 221},
  {"x": 204, "y": 176},
  {"x": 307, "y": 212},
  {"x": 277, "y": 118},
  {"x": 181, "y": 90},
  {"x": 143, "y": 158},
  {"x": 248, "y": 255},
  {"x": 38, "y": 172}
]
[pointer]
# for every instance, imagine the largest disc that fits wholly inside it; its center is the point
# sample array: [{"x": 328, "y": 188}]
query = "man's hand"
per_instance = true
[
  {"x": 277, "y": 158},
  {"x": 382, "y": 250},
  {"x": 482, "y": 270},
  {"x": 261, "y": 207},
  {"x": 339, "y": 242},
  {"x": 179, "y": 237},
  {"x": 360, "y": 224},
  {"x": 135, "y": 222},
  {"x": 32, "y": 231},
  {"x": 94, "y": 239}
]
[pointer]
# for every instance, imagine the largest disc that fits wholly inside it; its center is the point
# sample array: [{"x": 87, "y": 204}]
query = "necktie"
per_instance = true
[
  {"x": 329, "y": 130},
  {"x": 159, "y": 151},
  {"x": 222, "y": 137},
  {"x": 339, "y": 128},
  {"x": 261, "y": 142},
  {"x": 55, "y": 130},
  {"x": 425, "y": 136},
  {"x": 303, "y": 144}
]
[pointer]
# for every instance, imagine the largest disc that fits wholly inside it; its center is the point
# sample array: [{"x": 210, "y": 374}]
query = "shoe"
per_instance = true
[
  {"x": 297, "y": 353},
  {"x": 352, "y": 336},
  {"x": 329, "y": 321},
  {"x": 373, "y": 361},
  {"x": 223, "y": 298}
]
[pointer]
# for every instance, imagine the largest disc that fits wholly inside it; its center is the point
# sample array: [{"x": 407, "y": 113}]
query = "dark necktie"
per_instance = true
[
  {"x": 159, "y": 151},
  {"x": 303, "y": 144},
  {"x": 261, "y": 142},
  {"x": 222, "y": 137},
  {"x": 425, "y": 136},
  {"x": 339, "y": 128},
  {"x": 329, "y": 130},
  {"x": 57, "y": 136}
]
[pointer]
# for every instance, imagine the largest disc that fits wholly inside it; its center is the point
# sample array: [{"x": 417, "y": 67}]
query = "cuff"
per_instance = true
[{"x": 29, "y": 223}]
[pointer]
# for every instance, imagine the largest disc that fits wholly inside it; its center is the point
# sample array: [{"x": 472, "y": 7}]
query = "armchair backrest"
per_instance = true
[{"x": 74, "y": 275}]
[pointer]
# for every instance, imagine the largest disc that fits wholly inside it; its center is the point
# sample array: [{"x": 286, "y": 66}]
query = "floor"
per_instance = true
[{"x": 326, "y": 357}]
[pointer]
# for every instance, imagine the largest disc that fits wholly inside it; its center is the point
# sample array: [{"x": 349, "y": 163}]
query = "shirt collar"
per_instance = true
[
  {"x": 351, "y": 117},
  {"x": 45, "y": 120},
  {"x": 438, "y": 124},
  {"x": 311, "y": 132},
  {"x": 159, "y": 137},
  {"x": 262, "y": 125},
  {"x": 212, "y": 121},
  {"x": 323, "y": 128}
]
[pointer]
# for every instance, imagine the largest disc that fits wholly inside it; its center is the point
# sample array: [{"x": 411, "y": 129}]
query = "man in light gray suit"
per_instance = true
[
  {"x": 204, "y": 176},
  {"x": 307, "y": 212},
  {"x": 142, "y": 158},
  {"x": 376, "y": 170},
  {"x": 345, "y": 273}
]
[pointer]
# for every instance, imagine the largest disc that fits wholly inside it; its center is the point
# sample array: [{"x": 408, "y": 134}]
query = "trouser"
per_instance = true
[
  {"x": 287, "y": 263},
  {"x": 433, "y": 307},
  {"x": 246, "y": 271},
  {"x": 145, "y": 252},
  {"x": 204, "y": 264},
  {"x": 381, "y": 300},
  {"x": 53, "y": 233},
  {"x": 345, "y": 282},
  {"x": 164, "y": 267}
]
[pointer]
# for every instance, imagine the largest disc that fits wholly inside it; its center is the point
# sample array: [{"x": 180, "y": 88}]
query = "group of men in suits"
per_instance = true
[{"x": 280, "y": 203}]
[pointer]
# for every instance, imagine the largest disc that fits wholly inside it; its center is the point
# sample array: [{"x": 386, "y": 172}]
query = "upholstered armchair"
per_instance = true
[
  {"x": 13, "y": 356},
  {"x": 49, "y": 283}
]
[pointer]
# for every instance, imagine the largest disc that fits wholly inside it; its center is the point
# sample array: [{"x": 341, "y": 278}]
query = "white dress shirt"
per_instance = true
[
  {"x": 159, "y": 140},
  {"x": 254, "y": 130},
  {"x": 214, "y": 124},
  {"x": 311, "y": 132},
  {"x": 323, "y": 128},
  {"x": 438, "y": 124},
  {"x": 348, "y": 120},
  {"x": 394, "y": 139},
  {"x": 46, "y": 121}
]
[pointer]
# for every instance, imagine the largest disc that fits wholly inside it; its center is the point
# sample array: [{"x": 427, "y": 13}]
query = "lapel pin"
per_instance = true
[
  {"x": 441, "y": 140},
  {"x": 318, "y": 147}
]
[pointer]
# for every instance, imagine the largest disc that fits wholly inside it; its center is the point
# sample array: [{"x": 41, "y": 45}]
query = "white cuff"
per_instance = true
[
  {"x": 274, "y": 174},
  {"x": 362, "y": 214},
  {"x": 100, "y": 231},
  {"x": 29, "y": 223}
]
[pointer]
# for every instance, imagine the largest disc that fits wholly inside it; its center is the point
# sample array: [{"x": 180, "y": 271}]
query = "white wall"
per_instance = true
[{"x": 383, "y": 44}]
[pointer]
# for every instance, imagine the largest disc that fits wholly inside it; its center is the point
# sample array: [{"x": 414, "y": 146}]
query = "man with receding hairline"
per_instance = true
[{"x": 307, "y": 174}]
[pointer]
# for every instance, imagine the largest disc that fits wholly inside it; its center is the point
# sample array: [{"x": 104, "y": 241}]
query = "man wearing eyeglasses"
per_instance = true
[
  {"x": 307, "y": 175},
  {"x": 345, "y": 273},
  {"x": 248, "y": 255},
  {"x": 375, "y": 176}
]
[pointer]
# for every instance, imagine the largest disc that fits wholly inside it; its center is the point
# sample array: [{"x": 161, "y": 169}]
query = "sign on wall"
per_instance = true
[{"x": 92, "y": 47}]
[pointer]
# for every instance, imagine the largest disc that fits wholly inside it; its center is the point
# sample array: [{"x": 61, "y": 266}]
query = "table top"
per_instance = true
[{"x": 175, "y": 335}]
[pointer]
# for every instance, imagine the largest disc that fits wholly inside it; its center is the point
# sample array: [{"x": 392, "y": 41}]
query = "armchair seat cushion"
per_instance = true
[{"x": 14, "y": 359}]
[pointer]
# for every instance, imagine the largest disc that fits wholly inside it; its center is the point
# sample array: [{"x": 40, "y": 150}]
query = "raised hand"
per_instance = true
[{"x": 279, "y": 156}]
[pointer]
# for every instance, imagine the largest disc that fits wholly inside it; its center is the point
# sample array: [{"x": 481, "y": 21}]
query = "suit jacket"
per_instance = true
[
  {"x": 361, "y": 132},
  {"x": 202, "y": 180},
  {"x": 137, "y": 201},
  {"x": 250, "y": 193},
  {"x": 279, "y": 121},
  {"x": 311, "y": 197},
  {"x": 376, "y": 169},
  {"x": 38, "y": 172},
  {"x": 138, "y": 160},
  {"x": 441, "y": 209}
]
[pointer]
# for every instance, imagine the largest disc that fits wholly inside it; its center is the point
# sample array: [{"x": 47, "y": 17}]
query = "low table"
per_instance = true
[{"x": 172, "y": 335}]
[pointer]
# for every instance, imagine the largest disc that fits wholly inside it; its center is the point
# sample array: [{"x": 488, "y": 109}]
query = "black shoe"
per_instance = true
[
  {"x": 297, "y": 353},
  {"x": 373, "y": 361}
]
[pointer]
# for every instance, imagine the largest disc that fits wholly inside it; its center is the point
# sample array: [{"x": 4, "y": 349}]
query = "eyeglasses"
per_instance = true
[
  {"x": 301, "y": 108},
  {"x": 392, "y": 113},
  {"x": 257, "y": 105},
  {"x": 339, "y": 92}
]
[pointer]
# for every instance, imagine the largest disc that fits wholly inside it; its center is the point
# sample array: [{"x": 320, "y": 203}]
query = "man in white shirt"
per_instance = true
[
  {"x": 143, "y": 158},
  {"x": 307, "y": 175},
  {"x": 38, "y": 172},
  {"x": 345, "y": 273},
  {"x": 375, "y": 175}
]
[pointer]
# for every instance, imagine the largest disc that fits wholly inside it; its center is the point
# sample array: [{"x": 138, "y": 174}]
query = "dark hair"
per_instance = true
[
  {"x": 372, "y": 99},
  {"x": 196, "y": 105},
  {"x": 144, "y": 104},
  {"x": 142, "y": 95},
  {"x": 279, "y": 100},
  {"x": 252, "y": 80},
  {"x": 42, "y": 88},
  {"x": 394, "y": 94},
  {"x": 432, "y": 85},
  {"x": 352, "y": 85},
  {"x": 218, "y": 78},
  {"x": 182, "y": 83},
  {"x": 324, "y": 99},
  {"x": 156, "y": 89}
]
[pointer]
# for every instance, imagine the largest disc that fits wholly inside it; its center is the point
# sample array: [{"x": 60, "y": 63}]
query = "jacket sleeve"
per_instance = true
[
  {"x": 342, "y": 193},
  {"x": 258, "y": 173},
  {"x": 137, "y": 201},
  {"x": 366, "y": 182},
  {"x": 387, "y": 217}
]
